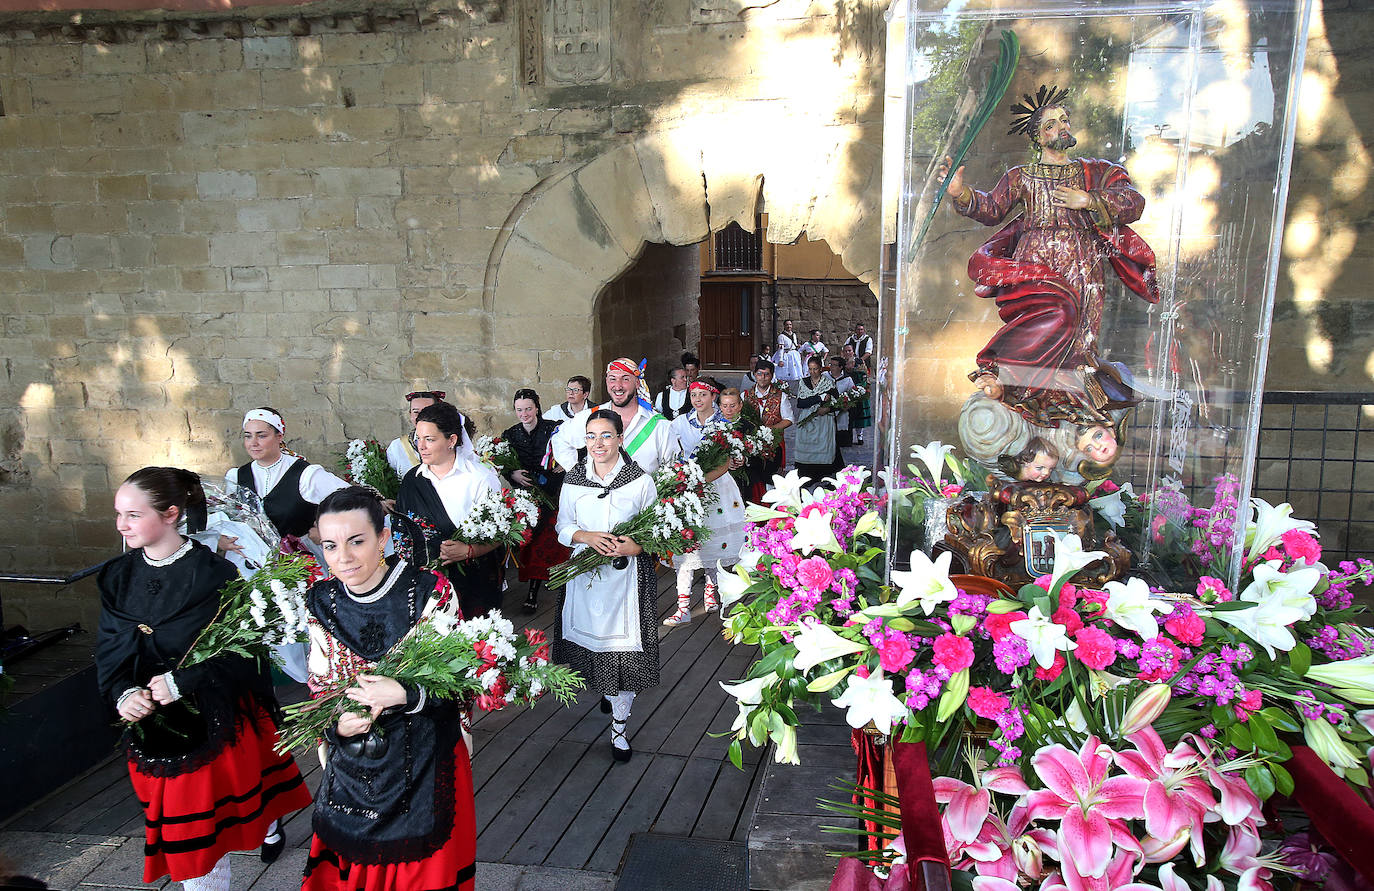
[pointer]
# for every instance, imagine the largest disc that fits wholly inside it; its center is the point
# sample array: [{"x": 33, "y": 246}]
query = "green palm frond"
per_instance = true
[{"x": 1009, "y": 54}]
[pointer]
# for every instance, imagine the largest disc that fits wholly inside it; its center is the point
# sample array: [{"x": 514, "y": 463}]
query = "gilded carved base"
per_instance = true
[{"x": 1008, "y": 534}]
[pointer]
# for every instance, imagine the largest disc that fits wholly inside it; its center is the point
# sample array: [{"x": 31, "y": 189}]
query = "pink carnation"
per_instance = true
[
  {"x": 1096, "y": 648},
  {"x": 1043, "y": 582},
  {"x": 1094, "y": 596},
  {"x": 1068, "y": 595},
  {"x": 1301, "y": 545},
  {"x": 1107, "y": 487},
  {"x": 1252, "y": 701},
  {"x": 1068, "y": 618},
  {"x": 949, "y": 490},
  {"x": 1188, "y": 628},
  {"x": 1056, "y": 667},
  {"x": 814, "y": 573},
  {"x": 986, "y": 703},
  {"x": 998, "y": 626},
  {"x": 894, "y": 653},
  {"x": 953, "y": 653},
  {"x": 1209, "y": 588}
]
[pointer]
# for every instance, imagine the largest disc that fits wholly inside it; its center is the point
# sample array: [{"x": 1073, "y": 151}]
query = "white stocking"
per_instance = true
[
  {"x": 620, "y": 711},
  {"x": 684, "y": 583},
  {"x": 273, "y": 832},
  {"x": 216, "y": 879}
]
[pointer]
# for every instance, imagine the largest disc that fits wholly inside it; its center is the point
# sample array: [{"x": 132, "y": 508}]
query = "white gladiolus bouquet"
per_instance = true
[
  {"x": 497, "y": 452},
  {"x": 674, "y": 524}
]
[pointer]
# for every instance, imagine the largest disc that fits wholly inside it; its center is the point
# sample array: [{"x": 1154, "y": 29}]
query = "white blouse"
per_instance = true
[{"x": 316, "y": 483}]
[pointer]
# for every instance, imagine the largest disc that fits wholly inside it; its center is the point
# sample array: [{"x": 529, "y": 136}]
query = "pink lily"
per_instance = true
[
  {"x": 1241, "y": 852},
  {"x": 1163, "y": 850},
  {"x": 1177, "y": 798},
  {"x": 1238, "y": 802},
  {"x": 1116, "y": 877},
  {"x": 1088, "y": 804},
  {"x": 968, "y": 805},
  {"x": 1168, "y": 881}
]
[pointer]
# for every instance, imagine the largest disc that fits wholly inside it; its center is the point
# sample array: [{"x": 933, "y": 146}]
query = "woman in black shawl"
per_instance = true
[
  {"x": 530, "y": 440},
  {"x": 200, "y": 742},
  {"x": 394, "y": 808},
  {"x": 439, "y": 494}
]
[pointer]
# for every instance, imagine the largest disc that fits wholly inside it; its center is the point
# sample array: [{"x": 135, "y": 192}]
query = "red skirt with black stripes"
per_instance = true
[
  {"x": 452, "y": 867},
  {"x": 193, "y": 819}
]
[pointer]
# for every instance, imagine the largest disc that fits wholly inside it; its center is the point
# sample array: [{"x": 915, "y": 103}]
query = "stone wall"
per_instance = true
[
  {"x": 835, "y": 307},
  {"x": 203, "y": 216},
  {"x": 649, "y": 312}
]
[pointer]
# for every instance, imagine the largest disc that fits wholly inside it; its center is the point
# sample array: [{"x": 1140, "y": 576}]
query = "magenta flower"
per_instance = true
[
  {"x": 894, "y": 652},
  {"x": 953, "y": 653},
  {"x": 986, "y": 702},
  {"x": 1087, "y": 803},
  {"x": 814, "y": 573},
  {"x": 1096, "y": 648},
  {"x": 1177, "y": 798}
]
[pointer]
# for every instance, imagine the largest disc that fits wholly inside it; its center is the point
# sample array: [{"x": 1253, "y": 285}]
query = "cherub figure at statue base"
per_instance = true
[{"x": 998, "y": 437}]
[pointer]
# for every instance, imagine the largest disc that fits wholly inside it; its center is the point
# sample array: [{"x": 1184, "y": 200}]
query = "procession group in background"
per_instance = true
[{"x": 394, "y": 808}]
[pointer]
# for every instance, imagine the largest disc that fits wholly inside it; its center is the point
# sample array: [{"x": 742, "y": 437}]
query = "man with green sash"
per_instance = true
[{"x": 648, "y": 436}]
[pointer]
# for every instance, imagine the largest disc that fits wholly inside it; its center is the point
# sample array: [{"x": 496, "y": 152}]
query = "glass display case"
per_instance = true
[{"x": 1083, "y": 302}]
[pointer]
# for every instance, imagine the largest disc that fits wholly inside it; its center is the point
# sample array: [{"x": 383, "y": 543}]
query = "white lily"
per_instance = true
[
  {"x": 1112, "y": 507},
  {"x": 1132, "y": 607},
  {"x": 787, "y": 489},
  {"x": 870, "y": 699},
  {"x": 926, "y": 583},
  {"x": 1292, "y": 589},
  {"x": 749, "y": 558},
  {"x": 889, "y": 483},
  {"x": 1069, "y": 556},
  {"x": 1349, "y": 674},
  {"x": 932, "y": 456},
  {"x": 839, "y": 483},
  {"x": 817, "y": 643},
  {"x": 814, "y": 533},
  {"x": 730, "y": 584},
  {"x": 786, "y": 752},
  {"x": 1266, "y": 623},
  {"x": 757, "y": 513},
  {"x": 1042, "y": 636},
  {"x": 748, "y": 695},
  {"x": 1327, "y": 743},
  {"x": 870, "y": 523},
  {"x": 1268, "y": 523}
]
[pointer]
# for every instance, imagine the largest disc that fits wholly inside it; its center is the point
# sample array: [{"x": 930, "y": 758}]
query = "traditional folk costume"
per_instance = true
[
  {"x": 862, "y": 346},
  {"x": 401, "y": 817},
  {"x": 533, "y": 449},
  {"x": 440, "y": 504},
  {"x": 861, "y": 415},
  {"x": 648, "y": 438},
  {"x": 559, "y": 413},
  {"x": 403, "y": 454},
  {"x": 844, "y": 437},
  {"x": 814, "y": 348},
  {"x": 671, "y": 403},
  {"x": 202, "y": 767},
  {"x": 724, "y": 520},
  {"x": 787, "y": 359},
  {"x": 817, "y": 452},
  {"x": 773, "y": 408},
  {"x": 606, "y": 628}
]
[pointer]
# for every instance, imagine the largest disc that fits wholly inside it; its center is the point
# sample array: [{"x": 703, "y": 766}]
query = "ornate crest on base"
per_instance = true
[{"x": 1009, "y": 534}]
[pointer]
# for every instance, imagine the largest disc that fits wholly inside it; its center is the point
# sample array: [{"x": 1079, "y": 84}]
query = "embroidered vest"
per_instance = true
[
  {"x": 284, "y": 506},
  {"x": 769, "y": 407}
]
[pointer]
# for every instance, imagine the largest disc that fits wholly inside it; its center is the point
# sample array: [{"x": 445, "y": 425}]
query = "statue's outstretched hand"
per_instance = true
[
  {"x": 988, "y": 383},
  {"x": 956, "y": 179},
  {"x": 1067, "y": 196}
]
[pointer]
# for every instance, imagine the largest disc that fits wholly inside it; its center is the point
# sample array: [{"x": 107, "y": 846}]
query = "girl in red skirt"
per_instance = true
[
  {"x": 394, "y": 809},
  {"x": 530, "y": 440},
  {"x": 200, "y": 745}
]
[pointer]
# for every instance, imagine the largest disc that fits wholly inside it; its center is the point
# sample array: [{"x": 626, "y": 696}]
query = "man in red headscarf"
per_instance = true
[{"x": 648, "y": 436}]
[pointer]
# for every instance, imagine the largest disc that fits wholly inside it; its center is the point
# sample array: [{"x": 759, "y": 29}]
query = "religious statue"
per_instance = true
[{"x": 1042, "y": 374}]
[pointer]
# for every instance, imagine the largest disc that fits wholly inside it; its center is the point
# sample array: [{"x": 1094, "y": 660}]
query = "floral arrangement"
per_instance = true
[
  {"x": 1222, "y": 679},
  {"x": 259, "y": 612},
  {"x": 497, "y": 452},
  {"x": 674, "y": 524},
  {"x": 506, "y": 519},
  {"x": 365, "y": 463},
  {"x": 722, "y": 442},
  {"x": 481, "y": 659}
]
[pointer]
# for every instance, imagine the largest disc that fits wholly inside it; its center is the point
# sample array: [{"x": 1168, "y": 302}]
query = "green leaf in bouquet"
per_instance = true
[
  {"x": 1283, "y": 780},
  {"x": 1240, "y": 737},
  {"x": 1231, "y": 606},
  {"x": 1357, "y": 776},
  {"x": 1262, "y": 733},
  {"x": 772, "y": 661},
  {"x": 736, "y": 754},
  {"x": 1028, "y": 592},
  {"x": 1281, "y": 719},
  {"x": 1261, "y": 781}
]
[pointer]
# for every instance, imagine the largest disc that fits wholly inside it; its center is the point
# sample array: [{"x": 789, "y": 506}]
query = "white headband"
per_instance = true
[{"x": 270, "y": 418}]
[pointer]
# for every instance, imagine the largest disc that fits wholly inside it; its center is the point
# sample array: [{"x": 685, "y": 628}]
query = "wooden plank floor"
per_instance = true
[{"x": 547, "y": 791}]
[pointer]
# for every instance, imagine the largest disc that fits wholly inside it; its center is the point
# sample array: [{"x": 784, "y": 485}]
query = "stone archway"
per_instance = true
[{"x": 582, "y": 226}]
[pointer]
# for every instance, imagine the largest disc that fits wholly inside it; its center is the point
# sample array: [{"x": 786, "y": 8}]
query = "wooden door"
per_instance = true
[{"x": 728, "y": 311}]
